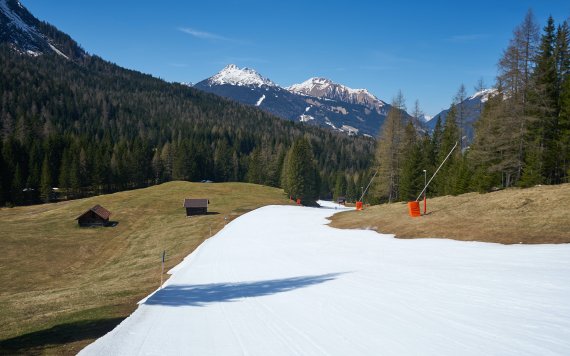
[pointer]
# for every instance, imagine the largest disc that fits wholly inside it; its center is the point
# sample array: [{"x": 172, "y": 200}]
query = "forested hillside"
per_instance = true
[
  {"x": 522, "y": 138},
  {"x": 93, "y": 127}
]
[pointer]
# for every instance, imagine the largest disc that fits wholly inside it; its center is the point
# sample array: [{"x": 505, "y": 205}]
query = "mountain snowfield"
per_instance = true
[
  {"x": 278, "y": 281},
  {"x": 233, "y": 75},
  {"x": 25, "y": 36},
  {"x": 326, "y": 88}
]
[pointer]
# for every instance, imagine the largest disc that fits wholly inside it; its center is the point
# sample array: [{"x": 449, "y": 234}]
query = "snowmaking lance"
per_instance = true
[{"x": 414, "y": 206}]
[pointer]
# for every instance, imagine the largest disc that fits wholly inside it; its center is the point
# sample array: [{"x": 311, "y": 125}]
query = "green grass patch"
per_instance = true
[{"x": 64, "y": 286}]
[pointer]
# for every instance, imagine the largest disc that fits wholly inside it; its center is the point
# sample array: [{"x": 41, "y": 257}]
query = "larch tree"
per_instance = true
[
  {"x": 389, "y": 151},
  {"x": 514, "y": 79}
]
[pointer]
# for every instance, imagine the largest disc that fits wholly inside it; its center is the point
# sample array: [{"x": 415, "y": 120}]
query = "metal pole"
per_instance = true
[
  {"x": 438, "y": 168},
  {"x": 425, "y": 192},
  {"x": 368, "y": 186}
]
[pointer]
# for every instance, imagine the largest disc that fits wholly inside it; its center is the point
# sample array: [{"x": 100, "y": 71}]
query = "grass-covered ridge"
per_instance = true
[
  {"x": 63, "y": 286},
  {"x": 511, "y": 216}
]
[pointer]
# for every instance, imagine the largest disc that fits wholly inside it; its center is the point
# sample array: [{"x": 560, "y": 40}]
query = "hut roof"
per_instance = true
[
  {"x": 99, "y": 210},
  {"x": 196, "y": 203}
]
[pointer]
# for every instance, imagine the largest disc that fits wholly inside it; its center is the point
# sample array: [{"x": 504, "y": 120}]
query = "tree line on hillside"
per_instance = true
[
  {"x": 91, "y": 127},
  {"x": 522, "y": 138}
]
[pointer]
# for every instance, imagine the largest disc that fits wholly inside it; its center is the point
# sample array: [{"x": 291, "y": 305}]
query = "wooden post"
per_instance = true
[{"x": 162, "y": 271}]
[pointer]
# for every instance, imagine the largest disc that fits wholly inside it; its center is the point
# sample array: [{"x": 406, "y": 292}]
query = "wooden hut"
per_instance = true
[
  {"x": 96, "y": 216},
  {"x": 196, "y": 206},
  {"x": 341, "y": 200}
]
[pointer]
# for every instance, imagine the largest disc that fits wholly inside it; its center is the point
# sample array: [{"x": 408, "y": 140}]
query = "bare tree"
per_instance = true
[
  {"x": 389, "y": 151},
  {"x": 515, "y": 69},
  {"x": 459, "y": 102}
]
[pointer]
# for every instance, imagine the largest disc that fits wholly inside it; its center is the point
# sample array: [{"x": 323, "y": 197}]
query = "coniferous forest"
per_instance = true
[
  {"x": 522, "y": 138},
  {"x": 88, "y": 127},
  {"x": 80, "y": 127}
]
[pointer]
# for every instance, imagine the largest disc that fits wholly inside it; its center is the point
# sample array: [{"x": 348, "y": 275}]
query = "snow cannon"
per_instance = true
[
  {"x": 414, "y": 208},
  {"x": 358, "y": 205},
  {"x": 298, "y": 201}
]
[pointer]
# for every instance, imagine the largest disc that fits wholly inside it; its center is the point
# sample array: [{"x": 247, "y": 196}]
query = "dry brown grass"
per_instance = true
[
  {"x": 62, "y": 286},
  {"x": 529, "y": 216}
]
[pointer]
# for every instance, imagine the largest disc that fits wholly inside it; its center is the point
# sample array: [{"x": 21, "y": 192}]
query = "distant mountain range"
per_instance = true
[
  {"x": 472, "y": 107},
  {"x": 317, "y": 101}
]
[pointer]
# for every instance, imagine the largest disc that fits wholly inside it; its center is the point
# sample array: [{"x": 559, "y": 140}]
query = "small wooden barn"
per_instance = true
[
  {"x": 196, "y": 206},
  {"x": 96, "y": 216},
  {"x": 341, "y": 200}
]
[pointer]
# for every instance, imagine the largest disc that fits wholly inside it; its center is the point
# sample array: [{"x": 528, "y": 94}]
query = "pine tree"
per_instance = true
[
  {"x": 340, "y": 186},
  {"x": 411, "y": 180},
  {"x": 532, "y": 171},
  {"x": 486, "y": 151},
  {"x": 443, "y": 184},
  {"x": 301, "y": 173},
  {"x": 17, "y": 195},
  {"x": 564, "y": 125},
  {"x": 544, "y": 98},
  {"x": 45, "y": 182}
]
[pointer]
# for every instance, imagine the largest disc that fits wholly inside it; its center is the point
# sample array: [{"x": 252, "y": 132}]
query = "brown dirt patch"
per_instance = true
[{"x": 539, "y": 215}]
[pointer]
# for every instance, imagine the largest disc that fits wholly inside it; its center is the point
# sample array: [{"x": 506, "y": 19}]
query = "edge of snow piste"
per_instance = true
[{"x": 324, "y": 204}]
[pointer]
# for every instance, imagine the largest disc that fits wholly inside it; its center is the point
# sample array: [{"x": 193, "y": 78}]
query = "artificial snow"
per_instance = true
[{"x": 278, "y": 281}]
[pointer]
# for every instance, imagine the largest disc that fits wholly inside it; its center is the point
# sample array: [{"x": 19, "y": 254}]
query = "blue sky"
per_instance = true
[{"x": 427, "y": 49}]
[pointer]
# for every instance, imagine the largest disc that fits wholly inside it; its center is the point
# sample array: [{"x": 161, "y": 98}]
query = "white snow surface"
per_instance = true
[
  {"x": 260, "y": 100},
  {"x": 278, "y": 281},
  {"x": 232, "y": 74}
]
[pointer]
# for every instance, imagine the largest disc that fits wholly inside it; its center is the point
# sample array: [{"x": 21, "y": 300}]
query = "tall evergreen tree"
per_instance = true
[
  {"x": 46, "y": 184},
  {"x": 544, "y": 98},
  {"x": 17, "y": 194},
  {"x": 443, "y": 183},
  {"x": 411, "y": 180},
  {"x": 301, "y": 173}
]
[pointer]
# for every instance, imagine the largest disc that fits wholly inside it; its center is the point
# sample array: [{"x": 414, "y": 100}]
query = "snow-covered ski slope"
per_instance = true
[{"x": 277, "y": 281}]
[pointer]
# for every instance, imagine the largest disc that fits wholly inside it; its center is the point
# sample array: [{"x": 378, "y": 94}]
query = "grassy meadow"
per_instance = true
[
  {"x": 529, "y": 216},
  {"x": 64, "y": 286}
]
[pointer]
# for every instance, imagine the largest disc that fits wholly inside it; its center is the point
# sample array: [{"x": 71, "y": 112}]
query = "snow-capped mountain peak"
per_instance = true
[
  {"x": 326, "y": 88},
  {"x": 233, "y": 75},
  {"x": 484, "y": 94}
]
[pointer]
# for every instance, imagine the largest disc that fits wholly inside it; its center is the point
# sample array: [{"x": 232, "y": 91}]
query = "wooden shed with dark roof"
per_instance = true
[
  {"x": 196, "y": 206},
  {"x": 96, "y": 216}
]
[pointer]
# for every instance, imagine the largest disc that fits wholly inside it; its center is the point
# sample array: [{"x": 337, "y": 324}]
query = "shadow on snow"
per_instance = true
[{"x": 202, "y": 294}]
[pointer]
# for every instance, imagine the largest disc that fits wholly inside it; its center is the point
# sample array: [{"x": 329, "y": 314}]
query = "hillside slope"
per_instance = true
[
  {"x": 529, "y": 216},
  {"x": 63, "y": 286}
]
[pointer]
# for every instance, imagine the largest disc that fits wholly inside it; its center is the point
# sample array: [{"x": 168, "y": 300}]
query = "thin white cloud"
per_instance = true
[{"x": 203, "y": 34}]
